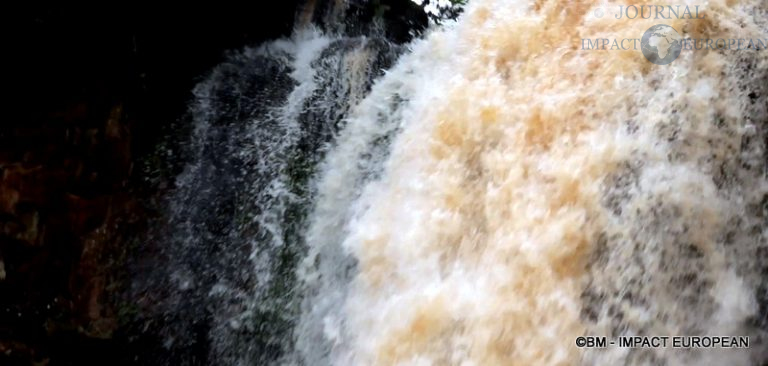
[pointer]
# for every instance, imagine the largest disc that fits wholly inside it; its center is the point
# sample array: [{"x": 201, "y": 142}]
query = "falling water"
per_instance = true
[
  {"x": 224, "y": 285},
  {"x": 497, "y": 193}
]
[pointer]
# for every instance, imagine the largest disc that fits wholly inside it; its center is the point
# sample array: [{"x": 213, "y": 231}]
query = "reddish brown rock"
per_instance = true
[{"x": 64, "y": 217}]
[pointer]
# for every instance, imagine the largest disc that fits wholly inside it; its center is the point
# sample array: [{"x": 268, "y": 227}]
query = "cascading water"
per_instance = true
[
  {"x": 225, "y": 287},
  {"x": 498, "y": 193}
]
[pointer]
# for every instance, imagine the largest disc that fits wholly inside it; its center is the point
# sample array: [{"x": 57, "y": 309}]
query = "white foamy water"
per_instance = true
[
  {"x": 534, "y": 192},
  {"x": 222, "y": 282}
]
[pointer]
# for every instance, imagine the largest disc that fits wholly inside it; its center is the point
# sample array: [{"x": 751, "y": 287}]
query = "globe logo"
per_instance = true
[{"x": 661, "y": 44}]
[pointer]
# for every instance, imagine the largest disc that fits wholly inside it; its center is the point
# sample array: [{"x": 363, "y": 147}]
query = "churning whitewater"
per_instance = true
[
  {"x": 534, "y": 192},
  {"x": 496, "y": 193}
]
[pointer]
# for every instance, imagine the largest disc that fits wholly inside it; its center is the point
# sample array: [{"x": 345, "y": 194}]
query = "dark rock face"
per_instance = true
[
  {"x": 65, "y": 53},
  {"x": 64, "y": 212},
  {"x": 400, "y": 20}
]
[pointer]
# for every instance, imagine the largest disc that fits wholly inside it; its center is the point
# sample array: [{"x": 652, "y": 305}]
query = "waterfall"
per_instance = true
[
  {"x": 534, "y": 193},
  {"x": 224, "y": 284},
  {"x": 495, "y": 194}
]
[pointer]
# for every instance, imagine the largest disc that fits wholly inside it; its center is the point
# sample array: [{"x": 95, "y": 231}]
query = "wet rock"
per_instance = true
[
  {"x": 398, "y": 20},
  {"x": 64, "y": 214},
  {"x": 402, "y": 19}
]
